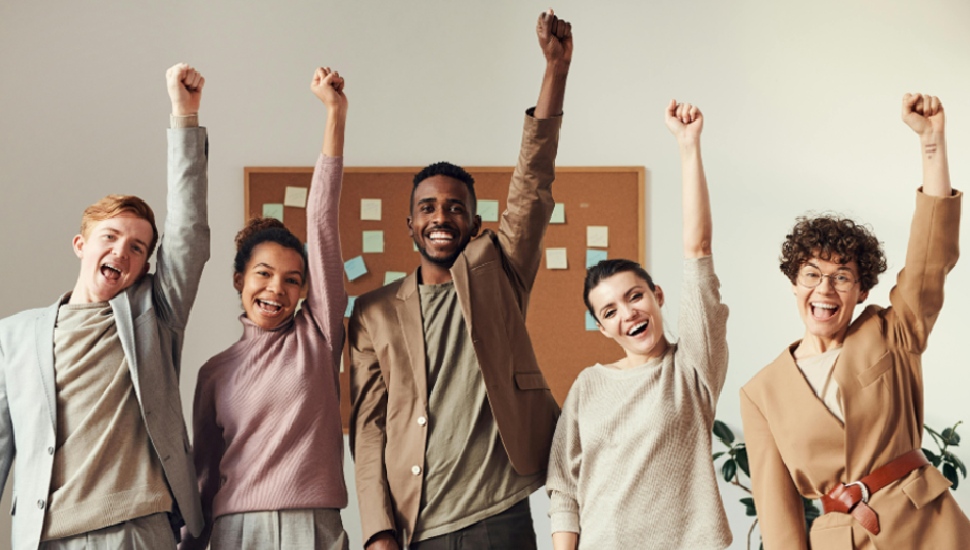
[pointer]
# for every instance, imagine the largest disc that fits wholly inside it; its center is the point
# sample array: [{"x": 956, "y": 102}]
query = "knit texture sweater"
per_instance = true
[
  {"x": 631, "y": 458},
  {"x": 267, "y": 430}
]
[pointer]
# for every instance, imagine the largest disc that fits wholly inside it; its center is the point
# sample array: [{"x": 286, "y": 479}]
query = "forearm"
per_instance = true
[
  {"x": 936, "y": 170},
  {"x": 564, "y": 540},
  {"x": 696, "y": 201},
  {"x": 333, "y": 137},
  {"x": 553, "y": 90}
]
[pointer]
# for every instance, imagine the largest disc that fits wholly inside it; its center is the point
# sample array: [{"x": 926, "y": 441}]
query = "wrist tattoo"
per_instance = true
[{"x": 930, "y": 150}]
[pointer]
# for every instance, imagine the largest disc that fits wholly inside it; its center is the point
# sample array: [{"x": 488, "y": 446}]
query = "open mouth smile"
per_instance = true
[
  {"x": 269, "y": 307},
  {"x": 823, "y": 311},
  {"x": 637, "y": 329},
  {"x": 110, "y": 271}
]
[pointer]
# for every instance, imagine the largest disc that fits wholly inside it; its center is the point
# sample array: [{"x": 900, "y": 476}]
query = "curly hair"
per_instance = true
[
  {"x": 262, "y": 230},
  {"x": 605, "y": 269},
  {"x": 450, "y": 170},
  {"x": 834, "y": 238}
]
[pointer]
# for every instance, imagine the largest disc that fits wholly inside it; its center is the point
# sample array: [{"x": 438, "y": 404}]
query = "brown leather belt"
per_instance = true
[{"x": 853, "y": 498}]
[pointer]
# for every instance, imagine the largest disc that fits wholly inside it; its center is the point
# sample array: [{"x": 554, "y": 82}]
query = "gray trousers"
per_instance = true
[
  {"x": 316, "y": 529},
  {"x": 146, "y": 533},
  {"x": 508, "y": 530}
]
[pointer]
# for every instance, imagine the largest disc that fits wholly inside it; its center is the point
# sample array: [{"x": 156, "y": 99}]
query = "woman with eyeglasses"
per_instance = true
[{"x": 838, "y": 416}]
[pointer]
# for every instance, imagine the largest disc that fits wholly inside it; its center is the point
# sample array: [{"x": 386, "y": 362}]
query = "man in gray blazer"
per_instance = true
[{"x": 89, "y": 392}]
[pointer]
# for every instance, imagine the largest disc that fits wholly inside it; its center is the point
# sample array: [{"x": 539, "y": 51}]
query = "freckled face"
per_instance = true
[
  {"x": 825, "y": 311},
  {"x": 629, "y": 312},
  {"x": 114, "y": 255},
  {"x": 271, "y": 285},
  {"x": 442, "y": 221}
]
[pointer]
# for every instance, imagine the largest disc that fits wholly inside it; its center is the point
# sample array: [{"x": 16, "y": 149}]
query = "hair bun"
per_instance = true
[{"x": 253, "y": 226}]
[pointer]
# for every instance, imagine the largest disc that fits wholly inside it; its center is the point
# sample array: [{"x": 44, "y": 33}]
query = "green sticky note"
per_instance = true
[
  {"x": 373, "y": 241},
  {"x": 594, "y": 257},
  {"x": 273, "y": 210},
  {"x": 591, "y": 322},
  {"x": 391, "y": 276},
  {"x": 350, "y": 305},
  {"x": 558, "y": 213},
  {"x": 488, "y": 210}
]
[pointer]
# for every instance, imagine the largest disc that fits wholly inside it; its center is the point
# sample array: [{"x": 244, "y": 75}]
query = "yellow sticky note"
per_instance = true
[
  {"x": 556, "y": 258},
  {"x": 370, "y": 209},
  {"x": 295, "y": 196},
  {"x": 597, "y": 235}
]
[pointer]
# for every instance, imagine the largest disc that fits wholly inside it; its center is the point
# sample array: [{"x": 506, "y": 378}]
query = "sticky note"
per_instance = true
[
  {"x": 391, "y": 276},
  {"x": 373, "y": 241},
  {"x": 594, "y": 257},
  {"x": 350, "y": 306},
  {"x": 555, "y": 258},
  {"x": 590, "y": 321},
  {"x": 488, "y": 210},
  {"x": 558, "y": 213},
  {"x": 370, "y": 209},
  {"x": 415, "y": 245},
  {"x": 295, "y": 196},
  {"x": 355, "y": 267},
  {"x": 273, "y": 210},
  {"x": 341, "y": 362},
  {"x": 597, "y": 235}
]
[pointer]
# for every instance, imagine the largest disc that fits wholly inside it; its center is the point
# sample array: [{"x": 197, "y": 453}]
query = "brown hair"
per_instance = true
[
  {"x": 113, "y": 206},
  {"x": 261, "y": 230},
  {"x": 836, "y": 239}
]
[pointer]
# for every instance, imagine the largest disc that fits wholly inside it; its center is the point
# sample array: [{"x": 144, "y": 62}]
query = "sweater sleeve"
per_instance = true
[
  {"x": 326, "y": 298},
  {"x": 565, "y": 460},
  {"x": 703, "y": 328},
  {"x": 208, "y": 447}
]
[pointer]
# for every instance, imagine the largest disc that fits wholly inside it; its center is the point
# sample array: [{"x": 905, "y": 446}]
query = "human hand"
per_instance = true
[
  {"x": 684, "y": 121},
  {"x": 383, "y": 541},
  {"x": 555, "y": 38},
  {"x": 184, "y": 89},
  {"x": 328, "y": 85},
  {"x": 923, "y": 113}
]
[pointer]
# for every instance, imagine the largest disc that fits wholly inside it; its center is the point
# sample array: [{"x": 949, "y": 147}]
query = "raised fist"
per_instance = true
[
  {"x": 923, "y": 113},
  {"x": 184, "y": 89},
  {"x": 328, "y": 85},
  {"x": 555, "y": 38}
]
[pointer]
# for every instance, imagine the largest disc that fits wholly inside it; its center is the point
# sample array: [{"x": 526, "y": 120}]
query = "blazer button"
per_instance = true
[
  {"x": 50, "y": 450},
  {"x": 416, "y": 470},
  {"x": 40, "y": 504},
  {"x": 422, "y": 421}
]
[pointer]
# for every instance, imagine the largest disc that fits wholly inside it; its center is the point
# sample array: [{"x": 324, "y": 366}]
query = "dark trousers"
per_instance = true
[{"x": 509, "y": 530}]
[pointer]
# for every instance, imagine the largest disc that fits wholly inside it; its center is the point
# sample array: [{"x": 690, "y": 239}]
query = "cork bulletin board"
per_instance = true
[{"x": 610, "y": 197}]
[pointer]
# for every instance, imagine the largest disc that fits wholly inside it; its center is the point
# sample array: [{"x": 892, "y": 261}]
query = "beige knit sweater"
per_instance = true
[{"x": 631, "y": 459}]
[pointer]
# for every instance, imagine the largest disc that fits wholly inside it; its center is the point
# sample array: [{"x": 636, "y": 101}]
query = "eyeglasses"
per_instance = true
[{"x": 811, "y": 277}]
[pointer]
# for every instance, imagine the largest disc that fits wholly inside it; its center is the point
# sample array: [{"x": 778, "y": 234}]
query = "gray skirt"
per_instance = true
[{"x": 318, "y": 529}]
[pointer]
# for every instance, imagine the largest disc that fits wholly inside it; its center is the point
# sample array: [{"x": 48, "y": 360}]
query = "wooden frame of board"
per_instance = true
[{"x": 613, "y": 196}]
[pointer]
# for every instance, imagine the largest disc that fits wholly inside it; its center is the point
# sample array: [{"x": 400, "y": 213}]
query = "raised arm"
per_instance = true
[
  {"x": 685, "y": 122},
  {"x": 924, "y": 114},
  {"x": 184, "y": 245},
  {"x": 326, "y": 297},
  {"x": 556, "y": 40}
]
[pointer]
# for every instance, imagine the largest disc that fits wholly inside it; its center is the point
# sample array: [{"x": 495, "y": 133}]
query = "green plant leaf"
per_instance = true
[
  {"x": 723, "y": 433},
  {"x": 749, "y": 509},
  {"x": 948, "y": 436},
  {"x": 955, "y": 460},
  {"x": 932, "y": 457},
  {"x": 742, "y": 457},
  {"x": 718, "y": 455},
  {"x": 729, "y": 469},
  {"x": 950, "y": 473}
]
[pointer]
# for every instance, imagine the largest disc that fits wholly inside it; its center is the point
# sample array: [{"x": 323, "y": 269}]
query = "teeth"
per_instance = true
[
  {"x": 111, "y": 267},
  {"x": 825, "y": 306},
  {"x": 439, "y": 235},
  {"x": 637, "y": 329}
]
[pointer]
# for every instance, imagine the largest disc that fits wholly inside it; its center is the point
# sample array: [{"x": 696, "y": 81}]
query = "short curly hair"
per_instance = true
[
  {"x": 834, "y": 238},
  {"x": 262, "y": 230},
  {"x": 449, "y": 170}
]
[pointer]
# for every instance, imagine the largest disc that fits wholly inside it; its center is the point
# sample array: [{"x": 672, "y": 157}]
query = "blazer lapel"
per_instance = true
[
  {"x": 126, "y": 334},
  {"x": 44, "y": 341},
  {"x": 805, "y": 399},
  {"x": 408, "y": 310},
  {"x": 459, "y": 274}
]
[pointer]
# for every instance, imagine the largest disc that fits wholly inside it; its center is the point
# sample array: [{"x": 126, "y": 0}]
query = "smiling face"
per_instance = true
[
  {"x": 825, "y": 311},
  {"x": 114, "y": 255},
  {"x": 441, "y": 222},
  {"x": 270, "y": 285},
  {"x": 629, "y": 312}
]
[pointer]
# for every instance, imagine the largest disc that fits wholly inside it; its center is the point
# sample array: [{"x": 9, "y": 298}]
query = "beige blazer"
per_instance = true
[
  {"x": 389, "y": 391},
  {"x": 797, "y": 447}
]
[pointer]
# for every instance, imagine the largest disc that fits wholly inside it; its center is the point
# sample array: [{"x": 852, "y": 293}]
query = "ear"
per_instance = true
[
  {"x": 476, "y": 225},
  {"x": 602, "y": 330},
  {"x": 659, "y": 294},
  {"x": 410, "y": 229},
  {"x": 78, "y": 244},
  {"x": 237, "y": 282},
  {"x": 863, "y": 297}
]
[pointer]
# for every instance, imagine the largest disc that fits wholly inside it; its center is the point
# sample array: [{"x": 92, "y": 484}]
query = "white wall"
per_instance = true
[{"x": 802, "y": 104}]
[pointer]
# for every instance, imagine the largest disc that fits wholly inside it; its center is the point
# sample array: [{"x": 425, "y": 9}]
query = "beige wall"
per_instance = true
[{"x": 802, "y": 105}]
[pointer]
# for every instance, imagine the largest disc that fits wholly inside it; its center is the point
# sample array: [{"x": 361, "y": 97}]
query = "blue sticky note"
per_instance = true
[
  {"x": 350, "y": 305},
  {"x": 273, "y": 210},
  {"x": 355, "y": 267},
  {"x": 488, "y": 210},
  {"x": 558, "y": 213},
  {"x": 594, "y": 257},
  {"x": 591, "y": 322}
]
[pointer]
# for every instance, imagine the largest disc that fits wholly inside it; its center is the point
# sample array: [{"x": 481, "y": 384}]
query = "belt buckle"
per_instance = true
[{"x": 865, "y": 490}]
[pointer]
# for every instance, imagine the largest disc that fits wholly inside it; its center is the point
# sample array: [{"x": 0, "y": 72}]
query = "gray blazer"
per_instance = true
[{"x": 151, "y": 317}]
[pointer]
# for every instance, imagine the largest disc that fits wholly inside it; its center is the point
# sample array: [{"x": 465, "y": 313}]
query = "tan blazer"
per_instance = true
[
  {"x": 389, "y": 391},
  {"x": 797, "y": 447}
]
